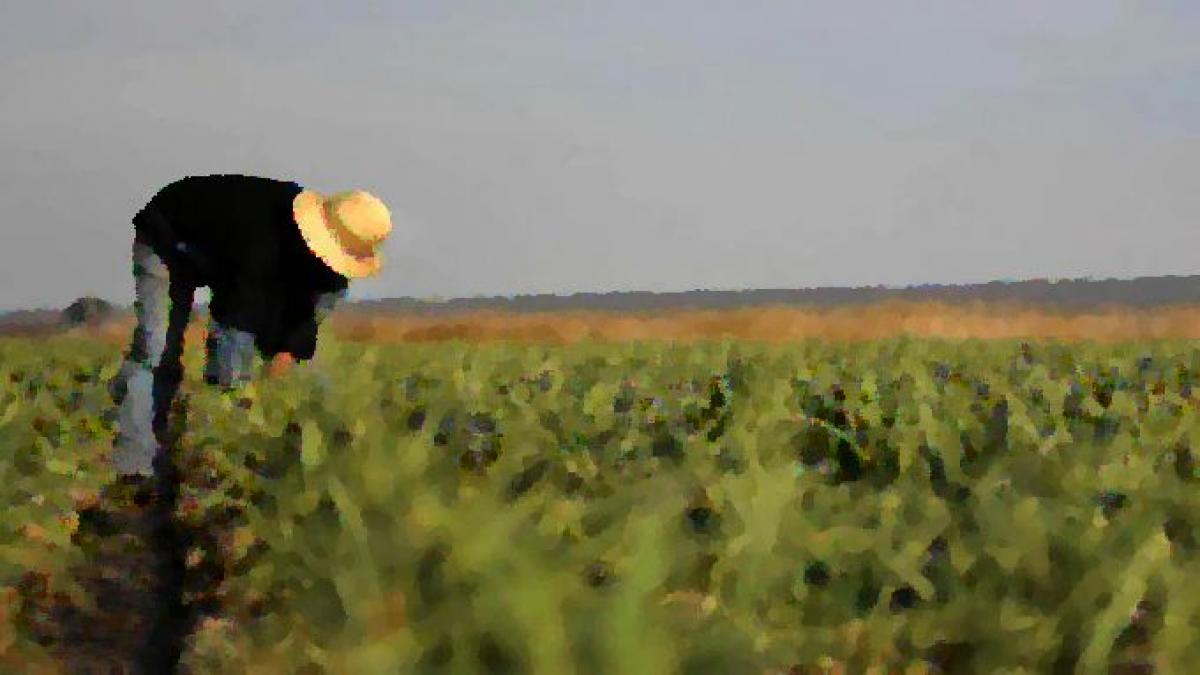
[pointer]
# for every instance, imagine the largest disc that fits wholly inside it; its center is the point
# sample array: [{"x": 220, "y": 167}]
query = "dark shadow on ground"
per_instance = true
[{"x": 134, "y": 572}]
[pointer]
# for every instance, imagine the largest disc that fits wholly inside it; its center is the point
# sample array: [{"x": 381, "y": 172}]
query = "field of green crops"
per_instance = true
[{"x": 896, "y": 506}]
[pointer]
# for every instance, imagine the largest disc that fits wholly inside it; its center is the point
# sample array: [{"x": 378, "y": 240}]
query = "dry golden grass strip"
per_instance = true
[
  {"x": 767, "y": 323},
  {"x": 776, "y": 324}
]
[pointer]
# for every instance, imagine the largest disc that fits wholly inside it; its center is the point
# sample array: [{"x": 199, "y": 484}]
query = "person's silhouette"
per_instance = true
[{"x": 276, "y": 258}]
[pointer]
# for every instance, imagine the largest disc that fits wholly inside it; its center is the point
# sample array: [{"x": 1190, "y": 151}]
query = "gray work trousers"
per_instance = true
[{"x": 152, "y": 369}]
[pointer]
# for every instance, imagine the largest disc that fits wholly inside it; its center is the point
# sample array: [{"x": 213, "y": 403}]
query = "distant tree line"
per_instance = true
[
  {"x": 88, "y": 310},
  {"x": 1075, "y": 294}
]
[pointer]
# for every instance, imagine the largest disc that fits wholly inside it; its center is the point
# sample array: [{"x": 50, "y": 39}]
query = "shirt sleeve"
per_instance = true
[
  {"x": 325, "y": 304},
  {"x": 245, "y": 304},
  {"x": 301, "y": 335},
  {"x": 301, "y": 340}
]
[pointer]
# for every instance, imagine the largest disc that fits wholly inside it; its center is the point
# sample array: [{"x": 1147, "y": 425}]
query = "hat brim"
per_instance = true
[{"x": 307, "y": 210}]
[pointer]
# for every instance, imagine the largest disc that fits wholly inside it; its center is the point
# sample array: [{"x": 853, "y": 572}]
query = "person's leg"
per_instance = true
[
  {"x": 152, "y": 369},
  {"x": 229, "y": 355}
]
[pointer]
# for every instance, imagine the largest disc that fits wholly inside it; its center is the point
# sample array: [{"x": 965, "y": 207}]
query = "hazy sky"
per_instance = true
[{"x": 567, "y": 146}]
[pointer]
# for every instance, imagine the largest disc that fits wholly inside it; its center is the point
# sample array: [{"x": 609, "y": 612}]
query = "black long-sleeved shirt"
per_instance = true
[{"x": 237, "y": 236}]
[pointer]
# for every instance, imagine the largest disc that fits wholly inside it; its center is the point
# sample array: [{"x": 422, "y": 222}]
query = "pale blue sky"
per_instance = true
[{"x": 568, "y": 146}]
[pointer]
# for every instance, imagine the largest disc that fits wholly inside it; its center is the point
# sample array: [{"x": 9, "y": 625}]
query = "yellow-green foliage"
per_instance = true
[
  {"x": 709, "y": 508},
  {"x": 54, "y": 431}
]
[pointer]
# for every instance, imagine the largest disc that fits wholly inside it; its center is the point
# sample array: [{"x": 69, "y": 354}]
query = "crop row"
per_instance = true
[{"x": 713, "y": 507}]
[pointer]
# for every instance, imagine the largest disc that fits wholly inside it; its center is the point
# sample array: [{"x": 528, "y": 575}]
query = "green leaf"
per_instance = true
[
  {"x": 312, "y": 450},
  {"x": 60, "y": 467}
]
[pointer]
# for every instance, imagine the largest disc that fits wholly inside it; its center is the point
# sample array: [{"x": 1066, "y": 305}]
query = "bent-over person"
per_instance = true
[{"x": 276, "y": 258}]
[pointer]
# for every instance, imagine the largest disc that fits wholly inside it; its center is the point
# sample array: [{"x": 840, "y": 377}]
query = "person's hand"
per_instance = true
[{"x": 280, "y": 364}]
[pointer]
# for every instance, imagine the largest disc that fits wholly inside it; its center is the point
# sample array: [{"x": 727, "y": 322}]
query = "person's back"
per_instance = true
[
  {"x": 237, "y": 235},
  {"x": 228, "y": 225}
]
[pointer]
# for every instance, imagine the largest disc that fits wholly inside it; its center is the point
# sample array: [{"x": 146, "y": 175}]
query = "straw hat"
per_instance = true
[{"x": 344, "y": 229}]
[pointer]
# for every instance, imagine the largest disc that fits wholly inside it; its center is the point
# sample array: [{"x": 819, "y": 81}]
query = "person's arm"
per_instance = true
[{"x": 301, "y": 340}]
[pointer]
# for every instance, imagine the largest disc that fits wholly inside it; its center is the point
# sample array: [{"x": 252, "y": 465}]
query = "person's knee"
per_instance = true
[{"x": 150, "y": 338}]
